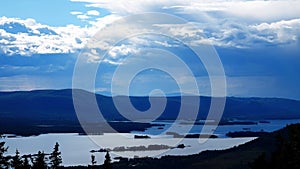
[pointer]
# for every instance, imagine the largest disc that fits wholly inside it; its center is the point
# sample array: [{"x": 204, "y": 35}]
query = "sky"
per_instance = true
[{"x": 42, "y": 44}]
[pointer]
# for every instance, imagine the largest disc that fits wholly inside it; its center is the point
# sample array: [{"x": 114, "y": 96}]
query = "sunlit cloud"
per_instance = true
[
  {"x": 29, "y": 37},
  {"x": 93, "y": 12},
  {"x": 76, "y": 13},
  {"x": 268, "y": 10},
  {"x": 236, "y": 28}
]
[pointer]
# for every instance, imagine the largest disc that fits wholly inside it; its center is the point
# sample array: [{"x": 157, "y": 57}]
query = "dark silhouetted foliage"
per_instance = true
[
  {"x": 26, "y": 164},
  {"x": 39, "y": 161},
  {"x": 3, "y": 161},
  {"x": 93, "y": 160},
  {"x": 287, "y": 154},
  {"x": 55, "y": 157},
  {"x": 107, "y": 161},
  {"x": 259, "y": 163},
  {"x": 17, "y": 162}
]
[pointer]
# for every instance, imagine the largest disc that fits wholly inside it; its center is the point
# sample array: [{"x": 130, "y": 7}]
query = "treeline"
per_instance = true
[
  {"x": 30, "y": 161},
  {"x": 42, "y": 160}
]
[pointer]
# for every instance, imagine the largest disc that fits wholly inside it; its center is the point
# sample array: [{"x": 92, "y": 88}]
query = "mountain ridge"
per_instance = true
[
  {"x": 62, "y": 98},
  {"x": 167, "y": 95},
  {"x": 21, "y": 110}
]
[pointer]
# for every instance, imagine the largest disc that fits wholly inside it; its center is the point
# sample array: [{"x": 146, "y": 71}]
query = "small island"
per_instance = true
[
  {"x": 141, "y": 137},
  {"x": 238, "y": 134},
  {"x": 176, "y": 135}
]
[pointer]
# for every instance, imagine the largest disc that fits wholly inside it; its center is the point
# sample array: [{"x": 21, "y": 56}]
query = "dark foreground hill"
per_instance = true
[{"x": 45, "y": 111}]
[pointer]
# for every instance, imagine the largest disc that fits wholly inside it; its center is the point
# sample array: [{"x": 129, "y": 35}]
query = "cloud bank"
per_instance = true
[{"x": 27, "y": 37}]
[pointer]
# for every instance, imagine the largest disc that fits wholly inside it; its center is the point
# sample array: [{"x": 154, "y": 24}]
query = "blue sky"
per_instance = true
[
  {"x": 53, "y": 13},
  {"x": 40, "y": 42}
]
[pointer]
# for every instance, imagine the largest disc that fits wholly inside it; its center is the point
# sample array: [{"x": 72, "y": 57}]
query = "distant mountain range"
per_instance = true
[
  {"x": 58, "y": 105},
  {"x": 54, "y": 107}
]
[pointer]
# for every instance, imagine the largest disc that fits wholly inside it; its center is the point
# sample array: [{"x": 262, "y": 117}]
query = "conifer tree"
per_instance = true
[
  {"x": 93, "y": 160},
  {"x": 3, "y": 161},
  {"x": 107, "y": 161},
  {"x": 17, "y": 162},
  {"x": 55, "y": 157},
  {"x": 39, "y": 162},
  {"x": 26, "y": 164}
]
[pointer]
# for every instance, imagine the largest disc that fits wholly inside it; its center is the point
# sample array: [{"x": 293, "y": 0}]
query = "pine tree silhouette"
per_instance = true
[
  {"x": 3, "y": 160},
  {"x": 26, "y": 164},
  {"x": 55, "y": 157},
  {"x": 17, "y": 162},
  {"x": 39, "y": 162},
  {"x": 107, "y": 161},
  {"x": 93, "y": 160}
]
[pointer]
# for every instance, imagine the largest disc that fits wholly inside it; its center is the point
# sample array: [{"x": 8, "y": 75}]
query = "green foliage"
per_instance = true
[
  {"x": 39, "y": 161},
  {"x": 55, "y": 157}
]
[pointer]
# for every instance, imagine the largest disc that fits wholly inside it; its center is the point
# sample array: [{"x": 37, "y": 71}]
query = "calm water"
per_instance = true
[
  {"x": 76, "y": 149},
  {"x": 220, "y": 130}
]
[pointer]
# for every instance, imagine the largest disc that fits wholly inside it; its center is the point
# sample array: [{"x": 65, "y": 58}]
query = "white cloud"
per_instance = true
[
  {"x": 240, "y": 35},
  {"x": 100, "y": 23},
  {"x": 265, "y": 10},
  {"x": 221, "y": 23},
  {"x": 122, "y": 50},
  {"x": 163, "y": 43},
  {"x": 129, "y": 7},
  {"x": 76, "y": 13},
  {"x": 254, "y": 9},
  {"x": 93, "y": 13},
  {"x": 225, "y": 34},
  {"x": 240, "y": 26},
  {"x": 280, "y": 32},
  {"x": 67, "y": 39},
  {"x": 83, "y": 17}
]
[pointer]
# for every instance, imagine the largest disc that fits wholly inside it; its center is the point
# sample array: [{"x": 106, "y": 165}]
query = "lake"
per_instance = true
[
  {"x": 76, "y": 148},
  {"x": 220, "y": 130}
]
